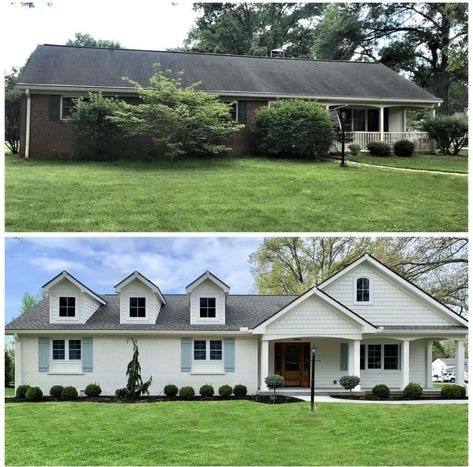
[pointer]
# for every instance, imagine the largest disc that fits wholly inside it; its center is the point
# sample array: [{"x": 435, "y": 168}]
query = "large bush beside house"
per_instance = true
[
  {"x": 225, "y": 391},
  {"x": 381, "y": 391},
  {"x": 453, "y": 391},
  {"x": 69, "y": 393},
  {"x": 293, "y": 128},
  {"x": 349, "y": 382},
  {"x": 379, "y": 149},
  {"x": 93, "y": 390},
  {"x": 240, "y": 390},
  {"x": 21, "y": 390},
  {"x": 404, "y": 148},
  {"x": 34, "y": 393},
  {"x": 206, "y": 390},
  {"x": 449, "y": 132},
  {"x": 179, "y": 119},
  {"x": 186, "y": 393},
  {"x": 171, "y": 390},
  {"x": 56, "y": 391},
  {"x": 413, "y": 391}
]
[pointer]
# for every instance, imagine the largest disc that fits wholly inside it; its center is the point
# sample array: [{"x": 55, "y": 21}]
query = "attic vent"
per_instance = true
[{"x": 277, "y": 53}]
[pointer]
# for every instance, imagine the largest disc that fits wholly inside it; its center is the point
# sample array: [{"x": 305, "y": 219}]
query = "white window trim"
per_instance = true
[
  {"x": 60, "y": 105},
  {"x": 382, "y": 344},
  {"x": 204, "y": 318},
  {"x": 355, "y": 280},
  {"x": 66, "y": 350},
  {"x": 207, "y": 351},
  {"x": 68, "y": 318},
  {"x": 142, "y": 318}
]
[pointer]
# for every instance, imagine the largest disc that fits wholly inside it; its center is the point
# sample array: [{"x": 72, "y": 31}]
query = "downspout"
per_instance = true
[{"x": 28, "y": 119}]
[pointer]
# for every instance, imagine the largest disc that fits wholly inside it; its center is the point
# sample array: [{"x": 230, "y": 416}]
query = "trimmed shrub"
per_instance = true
[
  {"x": 21, "y": 390},
  {"x": 240, "y": 390},
  {"x": 413, "y": 391},
  {"x": 349, "y": 382},
  {"x": 121, "y": 394},
  {"x": 449, "y": 132},
  {"x": 379, "y": 149},
  {"x": 225, "y": 391},
  {"x": 93, "y": 390},
  {"x": 206, "y": 390},
  {"x": 404, "y": 148},
  {"x": 293, "y": 128},
  {"x": 34, "y": 393},
  {"x": 171, "y": 390},
  {"x": 186, "y": 393},
  {"x": 56, "y": 391},
  {"x": 381, "y": 391},
  {"x": 453, "y": 391},
  {"x": 69, "y": 393},
  {"x": 354, "y": 148}
]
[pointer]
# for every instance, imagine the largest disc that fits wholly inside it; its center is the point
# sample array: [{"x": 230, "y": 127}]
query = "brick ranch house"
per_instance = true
[
  {"x": 374, "y": 98},
  {"x": 365, "y": 320}
]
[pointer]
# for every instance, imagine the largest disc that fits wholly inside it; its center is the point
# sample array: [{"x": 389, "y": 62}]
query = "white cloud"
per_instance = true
[{"x": 56, "y": 265}]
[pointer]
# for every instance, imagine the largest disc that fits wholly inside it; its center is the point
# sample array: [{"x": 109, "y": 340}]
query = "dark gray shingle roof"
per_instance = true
[
  {"x": 102, "y": 67},
  {"x": 241, "y": 311}
]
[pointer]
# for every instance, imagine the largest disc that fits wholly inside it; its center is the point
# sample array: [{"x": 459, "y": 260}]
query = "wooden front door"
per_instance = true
[{"x": 292, "y": 362}]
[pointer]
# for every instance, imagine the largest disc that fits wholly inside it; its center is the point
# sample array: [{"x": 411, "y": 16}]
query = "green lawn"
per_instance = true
[
  {"x": 457, "y": 164},
  {"x": 9, "y": 392},
  {"x": 228, "y": 194},
  {"x": 234, "y": 433}
]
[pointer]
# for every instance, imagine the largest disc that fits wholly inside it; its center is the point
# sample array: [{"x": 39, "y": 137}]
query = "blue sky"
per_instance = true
[{"x": 101, "y": 262}]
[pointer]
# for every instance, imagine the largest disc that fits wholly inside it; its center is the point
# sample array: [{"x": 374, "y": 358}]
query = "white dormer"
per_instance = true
[
  {"x": 207, "y": 298},
  {"x": 140, "y": 300},
  {"x": 70, "y": 301}
]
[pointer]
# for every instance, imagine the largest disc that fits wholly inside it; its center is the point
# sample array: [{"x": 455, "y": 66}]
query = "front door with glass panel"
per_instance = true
[{"x": 292, "y": 362}]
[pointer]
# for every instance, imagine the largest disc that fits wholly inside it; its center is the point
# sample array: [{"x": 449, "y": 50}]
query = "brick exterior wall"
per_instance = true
[{"x": 49, "y": 137}]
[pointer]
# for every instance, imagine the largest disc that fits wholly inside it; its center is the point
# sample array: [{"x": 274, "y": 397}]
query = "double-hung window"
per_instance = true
[
  {"x": 211, "y": 350},
  {"x": 207, "y": 307},
  {"x": 379, "y": 357},
  {"x": 67, "y": 307},
  {"x": 66, "y": 349},
  {"x": 363, "y": 290},
  {"x": 200, "y": 350},
  {"x": 137, "y": 307}
]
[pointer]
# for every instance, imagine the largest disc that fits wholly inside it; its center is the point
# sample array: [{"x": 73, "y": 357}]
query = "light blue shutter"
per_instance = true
[
  {"x": 186, "y": 354},
  {"x": 229, "y": 355},
  {"x": 87, "y": 354},
  {"x": 344, "y": 357},
  {"x": 43, "y": 354}
]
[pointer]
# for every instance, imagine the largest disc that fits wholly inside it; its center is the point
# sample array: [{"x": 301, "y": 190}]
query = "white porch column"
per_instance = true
[
  {"x": 264, "y": 364},
  {"x": 354, "y": 360},
  {"x": 428, "y": 365},
  {"x": 433, "y": 112},
  {"x": 18, "y": 362},
  {"x": 460, "y": 362},
  {"x": 381, "y": 123},
  {"x": 405, "y": 364},
  {"x": 404, "y": 120}
]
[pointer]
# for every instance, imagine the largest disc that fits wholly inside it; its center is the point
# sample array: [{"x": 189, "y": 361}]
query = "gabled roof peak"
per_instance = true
[
  {"x": 207, "y": 275},
  {"x": 137, "y": 275}
]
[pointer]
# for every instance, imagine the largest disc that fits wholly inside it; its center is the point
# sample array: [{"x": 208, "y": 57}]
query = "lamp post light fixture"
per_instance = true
[{"x": 312, "y": 377}]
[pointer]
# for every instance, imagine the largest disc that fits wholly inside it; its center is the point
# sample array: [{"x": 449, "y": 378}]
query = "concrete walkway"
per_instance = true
[
  {"x": 404, "y": 169},
  {"x": 319, "y": 399}
]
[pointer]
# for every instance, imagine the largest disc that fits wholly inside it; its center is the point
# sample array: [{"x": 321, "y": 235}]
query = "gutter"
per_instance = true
[{"x": 28, "y": 123}]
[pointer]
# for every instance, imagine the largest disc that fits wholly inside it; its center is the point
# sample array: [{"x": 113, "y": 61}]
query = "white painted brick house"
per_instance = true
[{"x": 366, "y": 320}]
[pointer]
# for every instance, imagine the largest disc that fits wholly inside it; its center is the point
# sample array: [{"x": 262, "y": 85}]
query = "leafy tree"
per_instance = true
[
  {"x": 179, "y": 119},
  {"x": 294, "y": 127},
  {"x": 449, "y": 132},
  {"x": 254, "y": 28},
  {"x": 86, "y": 40},
  {"x": 98, "y": 134},
  {"x": 9, "y": 368},
  {"x": 29, "y": 300},
  {"x": 273, "y": 382},
  {"x": 291, "y": 265},
  {"x": 135, "y": 385},
  {"x": 12, "y": 111},
  {"x": 439, "y": 350}
]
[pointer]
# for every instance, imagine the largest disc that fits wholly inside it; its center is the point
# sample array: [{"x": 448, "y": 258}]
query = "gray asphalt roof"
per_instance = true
[
  {"x": 241, "y": 311},
  {"x": 104, "y": 67}
]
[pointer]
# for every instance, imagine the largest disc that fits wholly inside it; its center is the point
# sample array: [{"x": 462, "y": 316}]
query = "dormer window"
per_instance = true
[
  {"x": 137, "y": 307},
  {"x": 207, "y": 307},
  {"x": 67, "y": 307},
  {"x": 363, "y": 290}
]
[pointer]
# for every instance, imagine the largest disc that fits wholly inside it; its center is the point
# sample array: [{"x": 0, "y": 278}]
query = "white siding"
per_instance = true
[
  {"x": 418, "y": 362},
  {"x": 313, "y": 317},
  {"x": 88, "y": 306},
  {"x": 160, "y": 357},
  {"x": 207, "y": 289},
  {"x": 392, "y": 303},
  {"x": 136, "y": 288}
]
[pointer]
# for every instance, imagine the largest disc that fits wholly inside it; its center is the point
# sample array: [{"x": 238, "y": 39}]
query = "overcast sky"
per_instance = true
[
  {"x": 139, "y": 24},
  {"x": 102, "y": 262}
]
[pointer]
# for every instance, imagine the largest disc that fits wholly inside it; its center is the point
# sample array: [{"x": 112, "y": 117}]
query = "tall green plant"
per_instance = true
[{"x": 135, "y": 385}]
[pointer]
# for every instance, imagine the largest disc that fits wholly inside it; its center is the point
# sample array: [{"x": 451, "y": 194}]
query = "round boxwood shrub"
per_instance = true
[
  {"x": 33, "y": 393},
  {"x": 413, "y": 391},
  {"x": 293, "y": 128},
  {"x": 453, "y": 391},
  {"x": 69, "y": 393},
  {"x": 93, "y": 390},
  {"x": 381, "y": 391},
  {"x": 240, "y": 390},
  {"x": 379, "y": 149},
  {"x": 354, "y": 148},
  {"x": 225, "y": 391},
  {"x": 121, "y": 394},
  {"x": 171, "y": 390},
  {"x": 206, "y": 390},
  {"x": 21, "y": 390},
  {"x": 56, "y": 391},
  {"x": 186, "y": 393},
  {"x": 349, "y": 382},
  {"x": 404, "y": 148}
]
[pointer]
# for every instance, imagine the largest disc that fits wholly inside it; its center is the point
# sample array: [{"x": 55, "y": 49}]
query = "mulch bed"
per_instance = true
[
  {"x": 263, "y": 399},
  {"x": 393, "y": 397}
]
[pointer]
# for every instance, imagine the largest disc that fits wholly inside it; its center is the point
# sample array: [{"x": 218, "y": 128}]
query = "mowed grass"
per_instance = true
[
  {"x": 228, "y": 194},
  {"x": 457, "y": 164},
  {"x": 234, "y": 433},
  {"x": 9, "y": 392}
]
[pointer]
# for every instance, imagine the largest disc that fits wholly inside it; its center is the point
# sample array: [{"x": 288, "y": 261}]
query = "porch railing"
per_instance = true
[{"x": 363, "y": 138}]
